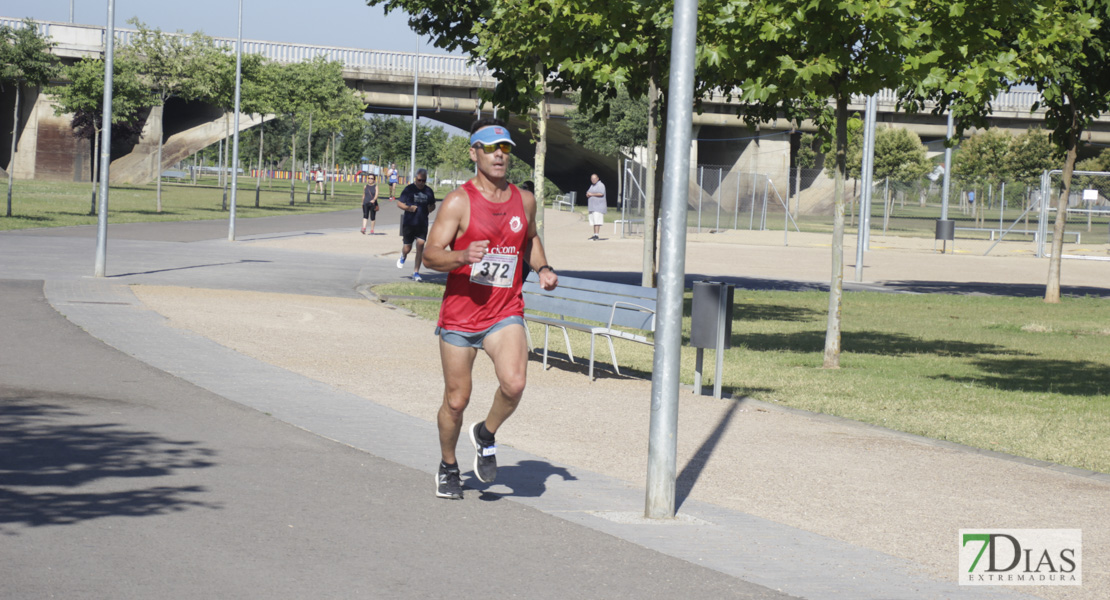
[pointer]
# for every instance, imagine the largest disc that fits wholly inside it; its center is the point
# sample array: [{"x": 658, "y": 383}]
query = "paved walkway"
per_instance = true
[{"x": 856, "y": 512}]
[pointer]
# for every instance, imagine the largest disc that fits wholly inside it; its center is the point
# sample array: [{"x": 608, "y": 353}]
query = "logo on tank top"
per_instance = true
[{"x": 515, "y": 224}]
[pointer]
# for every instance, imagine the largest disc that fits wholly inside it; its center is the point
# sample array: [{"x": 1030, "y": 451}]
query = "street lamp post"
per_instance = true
[
  {"x": 235, "y": 138},
  {"x": 105, "y": 144},
  {"x": 415, "y": 92}
]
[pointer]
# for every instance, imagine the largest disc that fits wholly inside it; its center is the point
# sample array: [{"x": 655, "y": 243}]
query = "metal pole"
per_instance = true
[
  {"x": 720, "y": 192},
  {"x": 763, "y": 215},
  {"x": 663, "y": 431},
  {"x": 865, "y": 187},
  {"x": 873, "y": 106},
  {"x": 70, "y": 11},
  {"x": 415, "y": 89},
  {"x": 736, "y": 208},
  {"x": 751, "y": 215},
  {"x": 235, "y": 139},
  {"x": 947, "y": 170},
  {"x": 105, "y": 143},
  {"x": 1001, "y": 205}
]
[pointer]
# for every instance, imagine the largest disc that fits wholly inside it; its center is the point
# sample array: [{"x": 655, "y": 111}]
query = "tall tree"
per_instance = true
[
  {"x": 172, "y": 66},
  {"x": 25, "y": 59},
  {"x": 1031, "y": 154},
  {"x": 456, "y": 156},
  {"x": 255, "y": 97},
  {"x": 312, "y": 87},
  {"x": 1068, "y": 42},
  {"x": 809, "y": 57},
  {"x": 83, "y": 97},
  {"x": 592, "y": 47},
  {"x": 807, "y": 52},
  {"x": 616, "y": 135}
]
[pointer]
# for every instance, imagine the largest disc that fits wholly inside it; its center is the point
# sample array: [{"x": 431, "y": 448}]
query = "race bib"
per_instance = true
[{"x": 495, "y": 270}]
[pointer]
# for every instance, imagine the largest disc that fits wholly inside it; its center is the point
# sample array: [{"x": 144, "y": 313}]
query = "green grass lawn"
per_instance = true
[
  {"x": 1014, "y": 375},
  {"x": 62, "y": 204}
]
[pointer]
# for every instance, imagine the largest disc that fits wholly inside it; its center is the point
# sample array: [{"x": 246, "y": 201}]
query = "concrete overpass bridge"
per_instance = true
[{"x": 448, "y": 93}]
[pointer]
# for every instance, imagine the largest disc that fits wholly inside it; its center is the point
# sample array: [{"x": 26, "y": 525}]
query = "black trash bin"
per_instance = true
[{"x": 946, "y": 229}]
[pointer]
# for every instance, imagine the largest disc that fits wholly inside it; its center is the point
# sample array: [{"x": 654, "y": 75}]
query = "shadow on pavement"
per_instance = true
[
  {"x": 49, "y": 451},
  {"x": 236, "y": 262},
  {"x": 526, "y": 479},
  {"x": 685, "y": 481}
]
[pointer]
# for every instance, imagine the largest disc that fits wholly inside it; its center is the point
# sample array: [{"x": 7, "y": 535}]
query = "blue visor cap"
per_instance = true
[{"x": 491, "y": 135}]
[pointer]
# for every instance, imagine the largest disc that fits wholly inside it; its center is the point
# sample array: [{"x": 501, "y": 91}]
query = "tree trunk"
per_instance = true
[
  {"x": 797, "y": 191},
  {"x": 330, "y": 164},
  {"x": 1052, "y": 290},
  {"x": 293, "y": 166},
  {"x": 836, "y": 285},
  {"x": 15, "y": 142},
  {"x": 95, "y": 168},
  {"x": 308, "y": 163},
  {"x": 648, "y": 277},
  {"x": 258, "y": 181},
  {"x": 541, "y": 153}
]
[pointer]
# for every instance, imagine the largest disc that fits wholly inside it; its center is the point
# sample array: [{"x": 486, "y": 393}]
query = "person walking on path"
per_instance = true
[
  {"x": 596, "y": 204},
  {"x": 417, "y": 200},
  {"x": 370, "y": 203},
  {"x": 393, "y": 178},
  {"x": 484, "y": 233}
]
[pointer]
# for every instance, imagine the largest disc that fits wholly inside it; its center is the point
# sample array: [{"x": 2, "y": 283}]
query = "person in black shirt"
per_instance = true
[{"x": 418, "y": 201}]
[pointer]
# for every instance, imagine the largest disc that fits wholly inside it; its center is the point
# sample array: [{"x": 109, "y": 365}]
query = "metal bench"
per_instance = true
[
  {"x": 599, "y": 308},
  {"x": 993, "y": 231},
  {"x": 565, "y": 201}
]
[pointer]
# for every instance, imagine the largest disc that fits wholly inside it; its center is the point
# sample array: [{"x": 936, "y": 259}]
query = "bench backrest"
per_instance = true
[{"x": 592, "y": 300}]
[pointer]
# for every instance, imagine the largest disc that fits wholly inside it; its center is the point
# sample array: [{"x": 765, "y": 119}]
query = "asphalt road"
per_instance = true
[{"x": 120, "y": 481}]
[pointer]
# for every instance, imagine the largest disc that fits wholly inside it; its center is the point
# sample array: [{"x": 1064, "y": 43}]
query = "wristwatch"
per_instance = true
[{"x": 548, "y": 267}]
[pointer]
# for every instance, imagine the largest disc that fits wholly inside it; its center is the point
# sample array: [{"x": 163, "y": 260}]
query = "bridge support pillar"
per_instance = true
[{"x": 48, "y": 148}]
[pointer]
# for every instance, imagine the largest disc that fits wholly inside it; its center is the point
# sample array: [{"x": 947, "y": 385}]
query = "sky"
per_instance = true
[{"x": 344, "y": 23}]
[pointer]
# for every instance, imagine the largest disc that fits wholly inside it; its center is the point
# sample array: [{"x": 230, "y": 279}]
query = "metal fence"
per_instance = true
[
  {"x": 1010, "y": 212},
  {"x": 1006, "y": 213},
  {"x": 719, "y": 200}
]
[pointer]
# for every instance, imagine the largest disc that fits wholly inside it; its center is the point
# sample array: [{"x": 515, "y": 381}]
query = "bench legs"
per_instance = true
[
  {"x": 566, "y": 338},
  {"x": 612, "y": 352}
]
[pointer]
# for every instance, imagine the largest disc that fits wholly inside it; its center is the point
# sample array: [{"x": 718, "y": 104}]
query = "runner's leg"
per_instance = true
[
  {"x": 419, "y": 255},
  {"x": 508, "y": 348},
  {"x": 457, "y": 365}
]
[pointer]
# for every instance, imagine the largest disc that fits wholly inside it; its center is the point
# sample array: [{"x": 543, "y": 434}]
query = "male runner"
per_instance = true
[
  {"x": 417, "y": 200},
  {"x": 484, "y": 233}
]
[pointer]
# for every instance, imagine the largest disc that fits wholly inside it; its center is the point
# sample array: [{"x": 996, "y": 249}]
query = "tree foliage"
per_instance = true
[
  {"x": 82, "y": 94},
  {"x": 1031, "y": 154},
  {"x": 615, "y": 128},
  {"x": 173, "y": 65},
  {"x": 983, "y": 157},
  {"x": 25, "y": 56}
]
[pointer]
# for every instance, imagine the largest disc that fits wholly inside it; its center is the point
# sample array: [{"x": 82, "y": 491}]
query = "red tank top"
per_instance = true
[{"x": 479, "y": 295}]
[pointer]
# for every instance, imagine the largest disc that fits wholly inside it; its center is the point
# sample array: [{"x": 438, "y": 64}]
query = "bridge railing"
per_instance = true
[
  {"x": 352, "y": 58},
  {"x": 403, "y": 62},
  {"x": 43, "y": 27}
]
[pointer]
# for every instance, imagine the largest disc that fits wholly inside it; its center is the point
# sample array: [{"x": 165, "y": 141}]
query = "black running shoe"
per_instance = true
[
  {"x": 485, "y": 461},
  {"x": 449, "y": 484}
]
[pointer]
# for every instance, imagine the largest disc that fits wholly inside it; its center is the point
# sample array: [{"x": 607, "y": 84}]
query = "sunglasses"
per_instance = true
[
  {"x": 421, "y": 180},
  {"x": 505, "y": 147}
]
